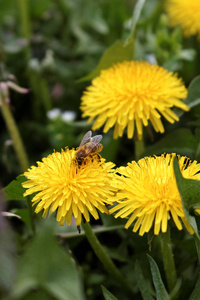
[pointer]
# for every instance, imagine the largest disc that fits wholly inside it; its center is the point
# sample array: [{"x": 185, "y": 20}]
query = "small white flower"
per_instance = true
[
  {"x": 54, "y": 113},
  {"x": 68, "y": 115}
]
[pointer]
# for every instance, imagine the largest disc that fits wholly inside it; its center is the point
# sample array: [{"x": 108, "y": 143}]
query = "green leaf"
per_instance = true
[
  {"x": 14, "y": 190},
  {"x": 193, "y": 97},
  {"x": 37, "y": 295},
  {"x": 136, "y": 13},
  {"x": 196, "y": 292},
  {"x": 107, "y": 294},
  {"x": 189, "y": 190},
  {"x": 24, "y": 214},
  {"x": 46, "y": 266},
  {"x": 180, "y": 141},
  {"x": 141, "y": 282},
  {"x": 7, "y": 257},
  {"x": 117, "y": 52},
  {"x": 161, "y": 293}
]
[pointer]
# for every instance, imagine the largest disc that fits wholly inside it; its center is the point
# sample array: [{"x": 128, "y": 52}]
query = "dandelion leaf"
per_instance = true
[
  {"x": 180, "y": 141},
  {"x": 119, "y": 51},
  {"x": 161, "y": 293},
  {"x": 193, "y": 97},
  {"x": 107, "y": 294},
  {"x": 14, "y": 190},
  {"x": 189, "y": 190},
  {"x": 196, "y": 292},
  {"x": 141, "y": 282},
  {"x": 45, "y": 266}
]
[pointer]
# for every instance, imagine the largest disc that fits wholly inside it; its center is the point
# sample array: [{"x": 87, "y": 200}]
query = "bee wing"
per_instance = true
[
  {"x": 96, "y": 139},
  {"x": 86, "y": 138}
]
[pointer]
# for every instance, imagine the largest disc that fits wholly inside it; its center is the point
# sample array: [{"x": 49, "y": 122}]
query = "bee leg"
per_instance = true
[
  {"x": 79, "y": 229},
  {"x": 98, "y": 157},
  {"x": 91, "y": 157},
  {"x": 79, "y": 161}
]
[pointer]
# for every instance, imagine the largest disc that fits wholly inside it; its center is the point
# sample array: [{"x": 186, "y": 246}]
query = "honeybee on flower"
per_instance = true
[
  {"x": 89, "y": 146},
  {"x": 74, "y": 183}
]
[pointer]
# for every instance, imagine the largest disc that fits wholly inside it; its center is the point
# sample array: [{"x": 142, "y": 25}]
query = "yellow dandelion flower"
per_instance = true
[
  {"x": 149, "y": 194},
  {"x": 186, "y": 14},
  {"x": 133, "y": 93},
  {"x": 61, "y": 184}
]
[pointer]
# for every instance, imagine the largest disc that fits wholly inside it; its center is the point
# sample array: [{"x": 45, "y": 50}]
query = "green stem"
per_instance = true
[
  {"x": 30, "y": 209},
  {"x": 197, "y": 153},
  {"x": 41, "y": 91},
  {"x": 25, "y": 25},
  {"x": 197, "y": 243},
  {"x": 168, "y": 259},
  {"x": 105, "y": 259},
  {"x": 139, "y": 149},
  {"x": 24, "y": 18},
  {"x": 41, "y": 86},
  {"x": 17, "y": 143},
  {"x": 14, "y": 133},
  {"x": 45, "y": 94}
]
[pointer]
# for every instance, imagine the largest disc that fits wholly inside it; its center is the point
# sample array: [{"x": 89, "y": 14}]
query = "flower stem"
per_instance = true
[
  {"x": 24, "y": 16},
  {"x": 18, "y": 144},
  {"x": 168, "y": 259},
  {"x": 139, "y": 149},
  {"x": 197, "y": 243},
  {"x": 25, "y": 25},
  {"x": 14, "y": 133},
  {"x": 37, "y": 81},
  {"x": 105, "y": 259},
  {"x": 45, "y": 93}
]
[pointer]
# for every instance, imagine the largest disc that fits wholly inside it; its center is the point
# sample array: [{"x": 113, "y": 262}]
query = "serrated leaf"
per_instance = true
[
  {"x": 189, "y": 190},
  {"x": 193, "y": 97},
  {"x": 161, "y": 293},
  {"x": 180, "y": 141},
  {"x": 117, "y": 52},
  {"x": 141, "y": 282},
  {"x": 46, "y": 266},
  {"x": 107, "y": 294},
  {"x": 14, "y": 190}
]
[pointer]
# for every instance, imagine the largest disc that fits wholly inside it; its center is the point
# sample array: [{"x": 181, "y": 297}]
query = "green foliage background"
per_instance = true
[{"x": 55, "y": 50}]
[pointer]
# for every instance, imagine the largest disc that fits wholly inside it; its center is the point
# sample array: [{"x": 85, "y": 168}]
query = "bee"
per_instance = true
[{"x": 89, "y": 146}]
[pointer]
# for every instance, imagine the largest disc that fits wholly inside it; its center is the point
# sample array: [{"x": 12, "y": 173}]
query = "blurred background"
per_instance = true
[
  {"x": 49, "y": 51},
  {"x": 49, "y": 47}
]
